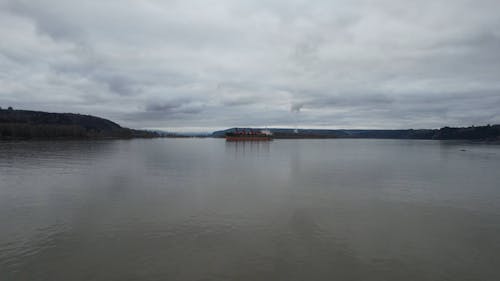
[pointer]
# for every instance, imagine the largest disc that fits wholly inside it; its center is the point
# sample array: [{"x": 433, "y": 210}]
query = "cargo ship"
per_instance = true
[{"x": 249, "y": 135}]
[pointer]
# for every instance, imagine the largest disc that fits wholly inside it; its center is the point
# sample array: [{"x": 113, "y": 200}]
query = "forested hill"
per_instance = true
[
  {"x": 25, "y": 124},
  {"x": 488, "y": 132}
]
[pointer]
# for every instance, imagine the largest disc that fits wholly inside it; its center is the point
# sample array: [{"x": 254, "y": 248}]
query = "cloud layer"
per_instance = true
[{"x": 214, "y": 64}]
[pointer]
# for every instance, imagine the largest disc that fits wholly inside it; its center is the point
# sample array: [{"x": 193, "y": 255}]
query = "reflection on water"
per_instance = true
[
  {"x": 242, "y": 148},
  {"x": 204, "y": 209}
]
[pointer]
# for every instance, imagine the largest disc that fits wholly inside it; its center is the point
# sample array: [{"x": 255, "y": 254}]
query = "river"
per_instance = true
[{"x": 204, "y": 209}]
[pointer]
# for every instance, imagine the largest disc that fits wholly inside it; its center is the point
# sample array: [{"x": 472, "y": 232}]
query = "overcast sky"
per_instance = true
[{"x": 202, "y": 65}]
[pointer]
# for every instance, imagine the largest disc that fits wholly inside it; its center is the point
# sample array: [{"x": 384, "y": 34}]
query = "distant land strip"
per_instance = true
[
  {"x": 486, "y": 133},
  {"x": 26, "y": 124}
]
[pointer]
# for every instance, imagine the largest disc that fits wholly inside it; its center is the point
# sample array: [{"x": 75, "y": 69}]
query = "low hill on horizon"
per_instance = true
[
  {"x": 488, "y": 132},
  {"x": 27, "y": 124}
]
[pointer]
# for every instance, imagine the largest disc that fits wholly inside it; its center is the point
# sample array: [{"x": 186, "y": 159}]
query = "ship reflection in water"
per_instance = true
[{"x": 243, "y": 147}]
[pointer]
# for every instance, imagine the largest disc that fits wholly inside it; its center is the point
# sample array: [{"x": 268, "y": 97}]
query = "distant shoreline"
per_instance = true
[
  {"x": 38, "y": 125},
  {"x": 478, "y": 133}
]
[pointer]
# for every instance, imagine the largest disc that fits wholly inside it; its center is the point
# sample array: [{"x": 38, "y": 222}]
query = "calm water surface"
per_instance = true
[{"x": 204, "y": 209}]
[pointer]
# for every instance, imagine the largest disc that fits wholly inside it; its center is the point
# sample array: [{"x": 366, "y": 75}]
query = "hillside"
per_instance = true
[{"x": 25, "y": 124}]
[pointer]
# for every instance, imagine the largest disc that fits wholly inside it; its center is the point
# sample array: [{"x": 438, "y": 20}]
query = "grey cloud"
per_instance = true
[
  {"x": 172, "y": 109},
  {"x": 47, "y": 20},
  {"x": 120, "y": 84},
  {"x": 167, "y": 106},
  {"x": 354, "y": 100},
  {"x": 342, "y": 101},
  {"x": 171, "y": 64},
  {"x": 239, "y": 101},
  {"x": 296, "y": 107}
]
